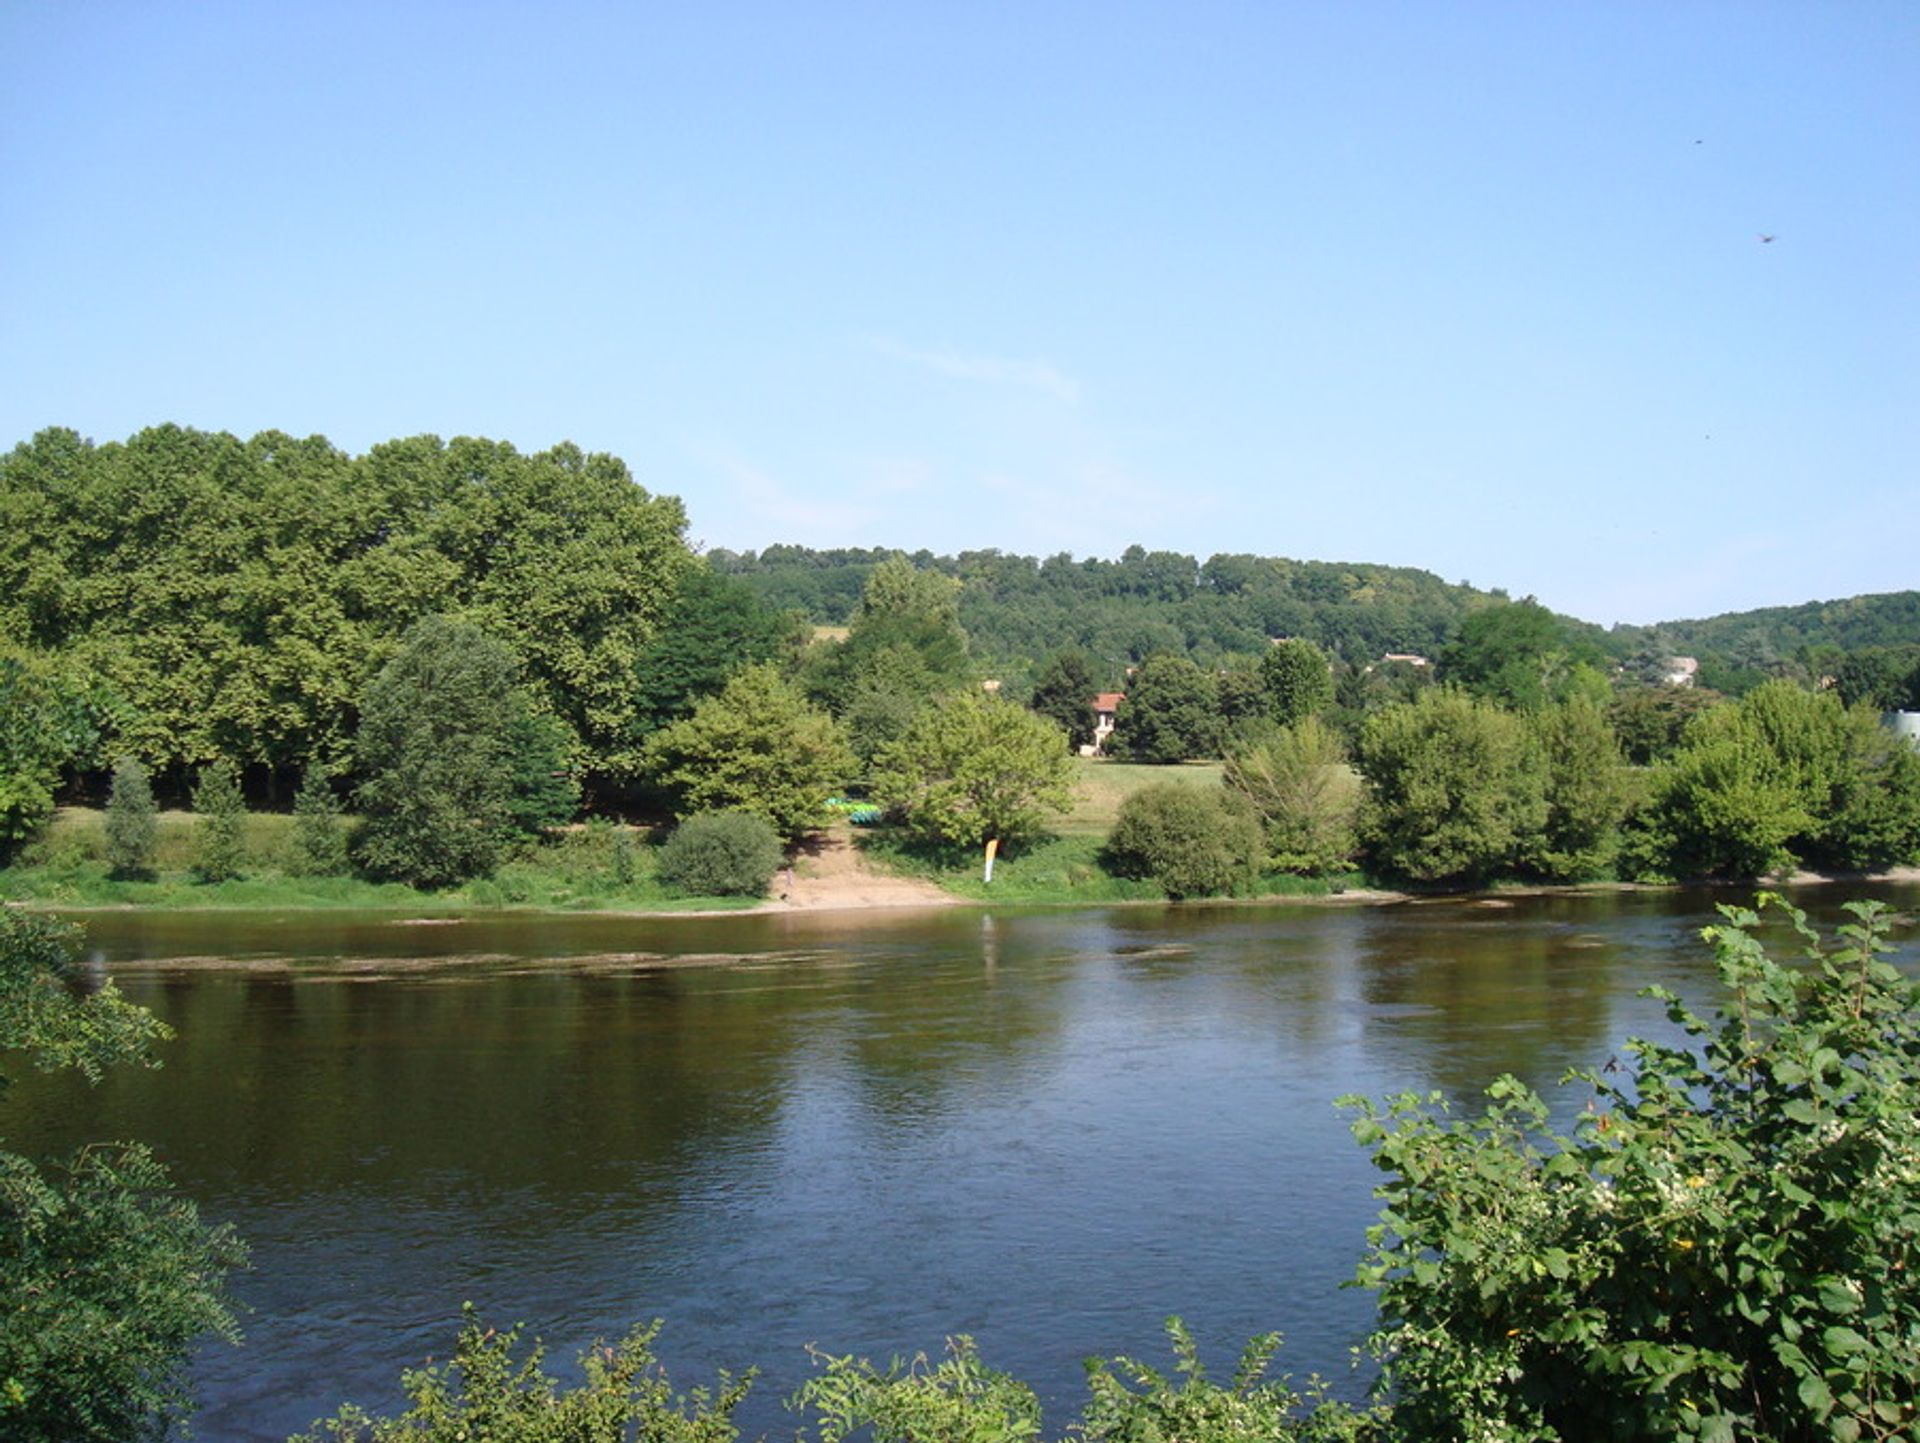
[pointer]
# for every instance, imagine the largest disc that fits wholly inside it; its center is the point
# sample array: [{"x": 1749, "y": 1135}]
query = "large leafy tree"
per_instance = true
[
  {"x": 972, "y": 768},
  {"x": 1297, "y": 782},
  {"x": 1063, "y": 692},
  {"x": 445, "y": 730},
  {"x": 1522, "y": 654},
  {"x": 1297, "y": 679},
  {"x": 48, "y": 721},
  {"x": 1784, "y": 775},
  {"x": 108, "y": 1275},
  {"x": 240, "y": 594},
  {"x": 1454, "y": 789},
  {"x": 1170, "y": 714},
  {"x": 759, "y": 747},
  {"x": 716, "y": 626},
  {"x": 904, "y": 611},
  {"x": 1583, "y": 789}
]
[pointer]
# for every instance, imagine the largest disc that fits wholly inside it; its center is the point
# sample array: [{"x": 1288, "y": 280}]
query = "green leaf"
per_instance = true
[{"x": 1815, "y": 1395}]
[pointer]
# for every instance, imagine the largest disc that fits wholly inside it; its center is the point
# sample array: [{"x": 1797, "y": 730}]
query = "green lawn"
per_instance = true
[{"x": 1103, "y": 785}]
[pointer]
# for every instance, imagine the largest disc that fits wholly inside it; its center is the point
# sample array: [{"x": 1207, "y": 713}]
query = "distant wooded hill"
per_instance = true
[
  {"x": 1016, "y": 609},
  {"x": 1774, "y": 634}
]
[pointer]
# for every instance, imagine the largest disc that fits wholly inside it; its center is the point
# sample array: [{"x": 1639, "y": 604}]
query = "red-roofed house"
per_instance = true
[{"x": 1105, "y": 707}]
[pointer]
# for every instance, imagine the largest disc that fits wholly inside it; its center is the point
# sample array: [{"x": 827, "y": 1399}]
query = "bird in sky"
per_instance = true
[{"x": 1767, "y": 240}]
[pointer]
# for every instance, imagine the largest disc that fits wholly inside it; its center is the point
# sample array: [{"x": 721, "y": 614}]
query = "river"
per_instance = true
[{"x": 868, "y": 1131}]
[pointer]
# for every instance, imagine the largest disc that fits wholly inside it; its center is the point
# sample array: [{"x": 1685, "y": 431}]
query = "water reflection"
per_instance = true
[{"x": 1047, "y": 1129}]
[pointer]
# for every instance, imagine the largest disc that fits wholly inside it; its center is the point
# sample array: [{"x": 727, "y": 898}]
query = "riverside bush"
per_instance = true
[
  {"x": 1725, "y": 1245},
  {"x": 1193, "y": 842},
  {"x": 223, "y": 819},
  {"x": 721, "y": 854},
  {"x": 133, "y": 822}
]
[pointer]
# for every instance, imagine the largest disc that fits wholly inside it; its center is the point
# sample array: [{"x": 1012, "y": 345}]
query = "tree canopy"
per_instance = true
[
  {"x": 975, "y": 767},
  {"x": 759, "y": 747},
  {"x": 238, "y": 595},
  {"x": 450, "y": 753}
]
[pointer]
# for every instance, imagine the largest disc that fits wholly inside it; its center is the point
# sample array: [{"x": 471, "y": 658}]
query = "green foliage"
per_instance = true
[
  {"x": 114, "y": 1280},
  {"x": 1650, "y": 721},
  {"x": 1063, "y": 693},
  {"x": 715, "y": 626},
  {"x": 1884, "y": 678},
  {"x": 1120, "y": 611},
  {"x": 975, "y": 767},
  {"x": 108, "y": 1275},
  {"x": 957, "y": 1400},
  {"x": 1454, "y": 789},
  {"x": 1297, "y": 782},
  {"x": 241, "y": 594},
  {"x": 48, "y": 1010},
  {"x": 893, "y": 688},
  {"x": 721, "y": 854},
  {"x": 1297, "y": 680},
  {"x": 319, "y": 838},
  {"x": 1784, "y": 775},
  {"x": 133, "y": 822},
  {"x": 1135, "y": 1403},
  {"x": 758, "y": 747},
  {"x": 48, "y": 720},
  {"x": 1584, "y": 792},
  {"x": 485, "y": 1394},
  {"x": 1521, "y": 654},
  {"x": 445, "y": 740},
  {"x": 1193, "y": 842},
  {"x": 1171, "y": 713},
  {"x": 542, "y": 791},
  {"x": 1723, "y": 1247},
  {"x": 905, "y": 640},
  {"x": 223, "y": 818}
]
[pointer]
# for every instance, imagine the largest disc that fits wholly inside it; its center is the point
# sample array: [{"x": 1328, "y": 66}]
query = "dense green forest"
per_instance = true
[
  {"x": 459, "y": 644},
  {"x": 1016, "y": 609}
]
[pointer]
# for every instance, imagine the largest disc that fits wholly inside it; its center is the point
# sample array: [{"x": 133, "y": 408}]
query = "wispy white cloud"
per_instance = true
[
  {"x": 762, "y": 504},
  {"x": 995, "y": 370}
]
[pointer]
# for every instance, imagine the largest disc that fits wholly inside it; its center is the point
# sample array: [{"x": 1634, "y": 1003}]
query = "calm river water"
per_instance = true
[{"x": 868, "y": 1131}]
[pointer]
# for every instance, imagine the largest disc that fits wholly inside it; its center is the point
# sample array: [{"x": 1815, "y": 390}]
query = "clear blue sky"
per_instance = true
[{"x": 1476, "y": 287}]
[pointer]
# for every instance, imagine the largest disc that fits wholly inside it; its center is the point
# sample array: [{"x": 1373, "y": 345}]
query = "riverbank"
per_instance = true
[{"x": 841, "y": 869}]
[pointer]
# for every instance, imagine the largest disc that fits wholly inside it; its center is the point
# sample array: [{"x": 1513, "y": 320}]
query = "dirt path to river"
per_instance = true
[{"x": 829, "y": 872}]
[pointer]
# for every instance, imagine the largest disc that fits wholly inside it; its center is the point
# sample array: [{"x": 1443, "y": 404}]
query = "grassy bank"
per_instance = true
[
  {"x": 1101, "y": 786},
  {"x": 599, "y": 867},
  {"x": 1061, "y": 870}
]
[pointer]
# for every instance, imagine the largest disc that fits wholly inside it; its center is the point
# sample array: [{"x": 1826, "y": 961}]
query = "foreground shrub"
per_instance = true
[
  {"x": 1725, "y": 1246},
  {"x": 721, "y": 854},
  {"x": 485, "y": 1393},
  {"x": 1193, "y": 841},
  {"x": 107, "y": 1274}
]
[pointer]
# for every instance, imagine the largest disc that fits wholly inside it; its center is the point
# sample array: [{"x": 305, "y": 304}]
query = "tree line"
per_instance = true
[
  {"x": 459, "y": 644},
  {"x": 1513, "y": 761}
]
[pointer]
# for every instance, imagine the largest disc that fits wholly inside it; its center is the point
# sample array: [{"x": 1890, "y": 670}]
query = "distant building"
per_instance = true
[
  {"x": 1681, "y": 671},
  {"x": 991, "y": 686},
  {"x": 1411, "y": 658},
  {"x": 1106, "y": 707},
  {"x": 1903, "y": 724}
]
